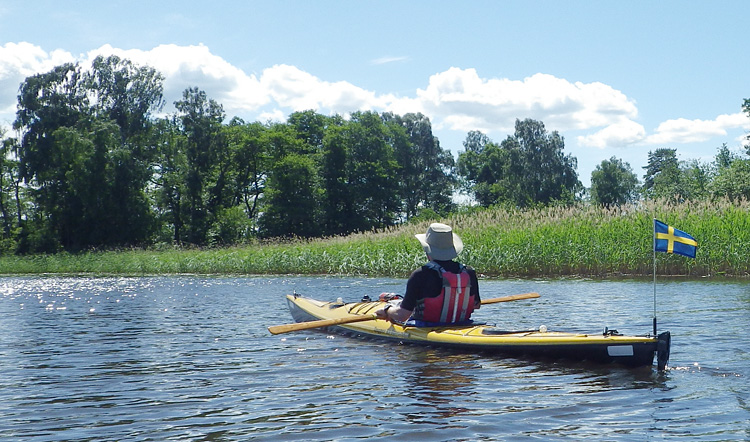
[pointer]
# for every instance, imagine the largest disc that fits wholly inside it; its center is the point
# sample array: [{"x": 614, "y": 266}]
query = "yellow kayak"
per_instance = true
[{"x": 609, "y": 347}]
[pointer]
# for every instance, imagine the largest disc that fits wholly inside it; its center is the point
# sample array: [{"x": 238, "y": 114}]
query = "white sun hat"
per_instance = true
[{"x": 440, "y": 243}]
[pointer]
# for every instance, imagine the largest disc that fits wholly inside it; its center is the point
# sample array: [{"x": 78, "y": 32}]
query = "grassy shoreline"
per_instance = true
[{"x": 583, "y": 241}]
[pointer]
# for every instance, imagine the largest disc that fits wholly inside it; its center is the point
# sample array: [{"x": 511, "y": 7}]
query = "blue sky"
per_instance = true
[{"x": 614, "y": 78}]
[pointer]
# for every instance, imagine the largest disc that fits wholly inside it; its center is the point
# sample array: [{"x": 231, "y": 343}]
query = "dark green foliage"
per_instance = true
[
  {"x": 251, "y": 164},
  {"x": 667, "y": 177},
  {"x": 47, "y": 102},
  {"x": 525, "y": 170},
  {"x": 86, "y": 154},
  {"x": 205, "y": 152},
  {"x": 9, "y": 189},
  {"x": 724, "y": 157},
  {"x": 294, "y": 197},
  {"x": 426, "y": 170},
  {"x": 613, "y": 183},
  {"x": 339, "y": 198},
  {"x": 364, "y": 184},
  {"x": 125, "y": 94},
  {"x": 662, "y": 178},
  {"x": 733, "y": 181}
]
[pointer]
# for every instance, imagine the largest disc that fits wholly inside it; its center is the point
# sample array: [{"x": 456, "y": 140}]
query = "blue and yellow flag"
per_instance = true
[{"x": 670, "y": 240}]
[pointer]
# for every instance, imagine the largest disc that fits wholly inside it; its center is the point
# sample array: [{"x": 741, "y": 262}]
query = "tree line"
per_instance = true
[{"x": 92, "y": 166}]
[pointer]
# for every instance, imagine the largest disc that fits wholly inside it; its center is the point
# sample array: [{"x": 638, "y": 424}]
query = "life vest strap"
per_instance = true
[{"x": 456, "y": 296}]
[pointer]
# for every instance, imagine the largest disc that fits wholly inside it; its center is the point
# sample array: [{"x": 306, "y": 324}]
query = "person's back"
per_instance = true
[{"x": 441, "y": 291}]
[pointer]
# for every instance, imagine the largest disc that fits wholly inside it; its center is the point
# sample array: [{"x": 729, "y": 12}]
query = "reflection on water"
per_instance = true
[
  {"x": 433, "y": 379},
  {"x": 189, "y": 358}
]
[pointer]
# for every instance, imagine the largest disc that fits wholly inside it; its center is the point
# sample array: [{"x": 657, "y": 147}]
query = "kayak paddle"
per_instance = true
[
  {"x": 510, "y": 298},
  {"x": 286, "y": 328},
  {"x": 297, "y": 326}
]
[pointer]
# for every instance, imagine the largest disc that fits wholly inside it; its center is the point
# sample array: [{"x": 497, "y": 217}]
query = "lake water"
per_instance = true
[{"x": 190, "y": 358}]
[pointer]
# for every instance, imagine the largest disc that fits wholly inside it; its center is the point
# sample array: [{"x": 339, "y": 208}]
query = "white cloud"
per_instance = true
[
  {"x": 296, "y": 90},
  {"x": 404, "y": 105},
  {"x": 682, "y": 130},
  {"x": 24, "y": 59},
  {"x": 276, "y": 116},
  {"x": 464, "y": 101},
  {"x": 619, "y": 134},
  {"x": 196, "y": 66},
  {"x": 675, "y": 131},
  {"x": 18, "y": 61}
]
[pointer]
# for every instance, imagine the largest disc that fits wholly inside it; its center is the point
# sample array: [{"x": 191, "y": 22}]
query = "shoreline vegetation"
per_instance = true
[{"x": 579, "y": 241}]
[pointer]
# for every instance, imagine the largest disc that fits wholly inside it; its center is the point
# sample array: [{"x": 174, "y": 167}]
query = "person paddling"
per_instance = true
[{"x": 443, "y": 291}]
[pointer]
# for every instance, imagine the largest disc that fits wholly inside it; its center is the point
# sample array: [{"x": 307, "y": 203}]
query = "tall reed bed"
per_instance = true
[
  {"x": 595, "y": 241},
  {"x": 582, "y": 240}
]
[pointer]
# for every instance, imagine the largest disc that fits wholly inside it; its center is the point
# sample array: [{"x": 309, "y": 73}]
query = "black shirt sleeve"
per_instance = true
[
  {"x": 474, "y": 285},
  {"x": 423, "y": 283}
]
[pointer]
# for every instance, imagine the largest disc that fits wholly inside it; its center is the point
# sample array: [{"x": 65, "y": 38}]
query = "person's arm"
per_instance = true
[
  {"x": 393, "y": 313},
  {"x": 397, "y": 313},
  {"x": 475, "y": 289}
]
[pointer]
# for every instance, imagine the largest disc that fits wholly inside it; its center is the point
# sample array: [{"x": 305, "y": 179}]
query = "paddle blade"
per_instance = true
[{"x": 286, "y": 328}]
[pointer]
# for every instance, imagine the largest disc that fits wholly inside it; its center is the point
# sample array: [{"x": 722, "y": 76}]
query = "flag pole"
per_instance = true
[{"x": 654, "y": 251}]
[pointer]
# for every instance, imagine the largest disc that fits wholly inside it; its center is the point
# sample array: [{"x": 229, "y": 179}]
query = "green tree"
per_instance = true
[
  {"x": 666, "y": 177},
  {"x": 126, "y": 95},
  {"x": 613, "y": 183},
  {"x": 282, "y": 139},
  {"x": 310, "y": 127},
  {"x": 373, "y": 172},
  {"x": 724, "y": 157},
  {"x": 479, "y": 168},
  {"x": 79, "y": 163},
  {"x": 526, "y": 169},
  {"x": 549, "y": 175},
  {"x": 251, "y": 161},
  {"x": 47, "y": 102},
  {"x": 696, "y": 178},
  {"x": 494, "y": 180},
  {"x": 169, "y": 181},
  {"x": 470, "y": 161},
  {"x": 732, "y": 181},
  {"x": 662, "y": 178},
  {"x": 84, "y": 214},
  {"x": 360, "y": 175},
  {"x": 293, "y": 196},
  {"x": 232, "y": 226},
  {"x": 476, "y": 141},
  {"x": 426, "y": 171},
  {"x": 732, "y": 178},
  {"x": 338, "y": 197},
  {"x": 201, "y": 122},
  {"x": 10, "y": 196}
]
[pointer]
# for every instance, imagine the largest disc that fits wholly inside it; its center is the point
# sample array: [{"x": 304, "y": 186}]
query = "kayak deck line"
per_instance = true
[
  {"x": 370, "y": 306},
  {"x": 609, "y": 347},
  {"x": 472, "y": 329}
]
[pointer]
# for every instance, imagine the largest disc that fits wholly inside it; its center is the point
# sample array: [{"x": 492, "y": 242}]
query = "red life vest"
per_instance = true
[{"x": 455, "y": 302}]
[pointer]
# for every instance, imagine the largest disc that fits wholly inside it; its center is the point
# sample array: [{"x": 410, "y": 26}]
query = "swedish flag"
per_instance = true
[{"x": 670, "y": 240}]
